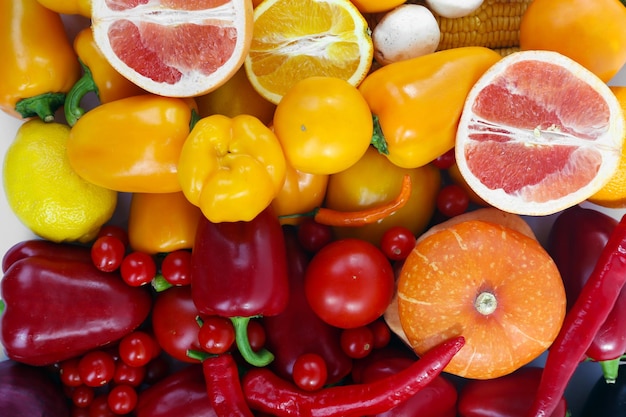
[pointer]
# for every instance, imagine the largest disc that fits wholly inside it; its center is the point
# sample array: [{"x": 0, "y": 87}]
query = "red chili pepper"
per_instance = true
[
  {"x": 298, "y": 330},
  {"x": 224, "y": 386},
  {"x": 266, "y": 392},
  {"x": 582, "y": 322},
  {"x": 239, "y": 271},
  {"x": 57, "y": 309}
]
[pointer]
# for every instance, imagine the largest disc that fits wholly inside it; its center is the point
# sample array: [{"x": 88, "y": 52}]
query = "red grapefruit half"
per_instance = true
[
  {"x": 538, "y": 133},
  {"x": 175, "y": 48}
]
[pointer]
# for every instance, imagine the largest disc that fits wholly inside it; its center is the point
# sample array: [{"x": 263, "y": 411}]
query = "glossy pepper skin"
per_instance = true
[
  {"x": 39, "y": 65},
  {"x": 576, "y": 239},
  {"x": 239, "y": 270},
  {"x": 232, "y": 168},
  {"x": 223, "y": 385},
  {"x": 30, "y": 391},
  {"x": 56, "y": 309},
  {"x": 506, "y": 396},
  {"x": 418, "y": 102},
  {"x": 181, "y": 394},
  {"x": 132, "y": 144},
  {"x": 79, "y": 7},
  {"x": 98, "y": 77},
  {"x": 297, "y": 329},
  {"x": 162, "y": 222},
  {"x": 607, "y": 399},
  {"x": 47, "y": 249}
]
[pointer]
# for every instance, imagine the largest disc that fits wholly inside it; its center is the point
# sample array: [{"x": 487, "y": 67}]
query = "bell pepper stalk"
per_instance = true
[
  {"x": 576, "y": 239},
  {"x": 182, "y": 393},
  {"x": 331, "y": 217},
  {"x": 30, "y": 391},
  {"x": 582, "y": 322},
  {"x": 57, "y": 309},
  {"x": 39, "y": 65},
  {"x": 267, "y": 392},
  {"x": 506, "y": 396},
  {"x": 297, "y": 329},
  {"x": 606, "y": 399},
  {"x": 239, "y": 271}
]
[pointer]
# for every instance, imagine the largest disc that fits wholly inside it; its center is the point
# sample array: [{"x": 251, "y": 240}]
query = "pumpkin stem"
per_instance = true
[{"x": 486, "y": 303}]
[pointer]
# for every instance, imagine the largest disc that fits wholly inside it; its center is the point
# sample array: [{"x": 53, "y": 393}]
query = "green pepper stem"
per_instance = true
[
  {"x": 610, "y": 369},
  {"x": 43, "y": 106},
  {"x": 160, "y": 284},
  {"x": 2, "y": 306},
  {"x": 259, "y": 359},
  {"x": 378, "y": 138},
  {"x": 83, "y": 86}
]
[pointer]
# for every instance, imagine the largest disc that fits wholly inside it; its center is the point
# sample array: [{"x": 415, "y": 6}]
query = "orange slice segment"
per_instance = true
[
  {"x": 539, "y": 133},
  {"x": 174, "y": 48},
  {"x": 293, "y": 40}
]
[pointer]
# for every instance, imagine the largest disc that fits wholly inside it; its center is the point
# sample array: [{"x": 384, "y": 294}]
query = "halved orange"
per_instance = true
[
  {"x": 293, "y": 40},
  {"x": 174, "y": 48},
  {"x": 539, "y": 133},
  {"x": 492, "y": 284}
]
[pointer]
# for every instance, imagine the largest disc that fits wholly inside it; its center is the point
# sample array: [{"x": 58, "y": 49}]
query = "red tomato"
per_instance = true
[{"x": 349, "y": 283}]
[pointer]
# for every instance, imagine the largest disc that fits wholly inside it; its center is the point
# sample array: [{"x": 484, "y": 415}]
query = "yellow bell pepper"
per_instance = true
[
  {"x": 232, "y": 168},
  {"x": 132, "y": 144},
  {"x": 162, "y": 222},
  {"x": 99, "y": 77},
  {"x": 418, "y": 102},
  {"x": 37, "y": 63}
]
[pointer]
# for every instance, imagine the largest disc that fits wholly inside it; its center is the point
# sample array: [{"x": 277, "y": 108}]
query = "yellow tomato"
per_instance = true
[
  {"x": 593, "y": 33},
  {"x": 376, "y": 6},
  {"x": 324, "y": 125},
  {"x": 374, "y": 180}
]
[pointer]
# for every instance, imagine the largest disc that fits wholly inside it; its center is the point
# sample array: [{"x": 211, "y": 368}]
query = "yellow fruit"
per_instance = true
[
  {"x": 293, "y": 40},
  {"x": 613, "y": 194},
  {"x": 44, "y": 191}
]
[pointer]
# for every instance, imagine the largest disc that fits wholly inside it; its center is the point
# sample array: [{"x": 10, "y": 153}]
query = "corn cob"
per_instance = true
[{"x": 495, "y": 24}]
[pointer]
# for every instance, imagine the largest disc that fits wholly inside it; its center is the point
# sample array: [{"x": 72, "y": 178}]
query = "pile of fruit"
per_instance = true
[{"x": 312, "y": 208}]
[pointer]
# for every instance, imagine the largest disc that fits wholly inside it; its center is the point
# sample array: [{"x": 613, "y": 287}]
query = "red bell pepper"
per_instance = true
[
  {"x": 180, "y": 394},
  {"x": 506, "y": 396},
  {"x": 47, "y": 249},
  {"x": 298, "y": 330},
  {"x": 575, "y": 242},
  {"x": 56, "y": 309},
  {"x": 239, "y": 271}
]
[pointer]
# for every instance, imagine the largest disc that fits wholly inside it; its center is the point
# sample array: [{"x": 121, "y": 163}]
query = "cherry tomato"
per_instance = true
[
  {"x": 107, "y": 253},
  {"x": 115, "y": 231},
  {"x": 100, "y": 407},
  {"x": 174, "y": 322},
  {"x": 137, "y": 348},
  {"x": 96, "y": 368},
  {"x": 129, "y": 375},
  {"x": 397, "y": 242},
  {"x": 310, "y": 372},
  {"x": 313, "y": 236},
  {"x": 324, "y": 124},
  {"x": 176, "y": 267},
  {"x": 256, "y": 335},
  {"x": 68, "y": 373},
  {"x": 138, "y": 268},
  {"x": 357, "y": 342},
  {"x": 452, "y": 200},
  {"x": 381, "y": 332},
  {"x": 82, "y": 396},
  {"x": 216, "y": 335},
  {"x": 122, "y": 399},
  {"x": 349, "y": 283},
  {"x": 446, "y": 160}
]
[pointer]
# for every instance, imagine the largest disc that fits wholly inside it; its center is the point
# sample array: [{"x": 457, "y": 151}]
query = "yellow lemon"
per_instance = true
[{"x": 44, "y": 191}]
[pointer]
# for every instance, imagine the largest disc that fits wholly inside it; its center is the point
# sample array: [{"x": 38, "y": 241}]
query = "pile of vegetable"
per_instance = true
[{"x": 245, "y": 274}]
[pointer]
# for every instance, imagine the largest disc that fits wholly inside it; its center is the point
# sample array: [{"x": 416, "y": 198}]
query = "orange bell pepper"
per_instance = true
[
  {"x": 38, "y": 65},
  {"x": 162, "y": 222},
  {"x": 98, "y": 77},
  {"x": 132, "y": 144},
  {"x": 418, "y": 102},
  {"x": 78, "y": 7},
  {"x": 232, "y": 168}
]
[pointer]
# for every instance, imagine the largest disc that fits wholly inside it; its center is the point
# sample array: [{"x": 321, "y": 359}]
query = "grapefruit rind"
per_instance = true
[
  {"x": 192, "y": 81},
  {"x": 595, "y": 148}
]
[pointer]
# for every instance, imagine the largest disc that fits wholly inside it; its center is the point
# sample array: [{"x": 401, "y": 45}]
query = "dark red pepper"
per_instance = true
[
  {"x": 180, "y": 394},
  {"x": 239, "y": 270},
  {"x": 582, "y": 322},
  {"x": 267, "y": 392},
  {"x": 298, "y": 330},
  {"x": 575, "y": 242},
  {"x": 224, "y": 386},
  {"x": 506, "y": 396},
  {"x": 57, "y": 309},
  {"x": 46, "y": 249}
]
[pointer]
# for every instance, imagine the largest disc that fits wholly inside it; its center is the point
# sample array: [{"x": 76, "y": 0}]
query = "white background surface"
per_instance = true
[{"x": 12, "y": 231}]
